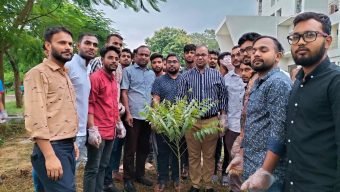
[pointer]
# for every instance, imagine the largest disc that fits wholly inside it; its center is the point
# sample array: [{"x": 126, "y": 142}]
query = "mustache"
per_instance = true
[
  {"x": 256, "y": 60},
  {"x": 301, "y": 49}
]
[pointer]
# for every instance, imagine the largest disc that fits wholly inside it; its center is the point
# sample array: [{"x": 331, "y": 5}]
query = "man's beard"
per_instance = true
[
  {"x": 313, "y": 59},
  {"x": 173, "y": 72},
  {"x": 262, "y": 68},
  {"x": 86, "y": 57},
  {"x": 59, "y": 57}
]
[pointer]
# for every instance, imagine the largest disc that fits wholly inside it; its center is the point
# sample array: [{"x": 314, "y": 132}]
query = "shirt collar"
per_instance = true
[
  {"x": 270, "y": 73},
  {"x": 323, "y": 65},
  {"x": 81, "y": 61},
  {"x": 137, "y": 66},
  {"x": 54, "y": 66},
  {"x": 109, "y": 76}
]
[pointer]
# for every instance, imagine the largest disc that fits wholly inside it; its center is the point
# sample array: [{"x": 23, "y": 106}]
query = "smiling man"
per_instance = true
[{"x": 313, "y": 122}]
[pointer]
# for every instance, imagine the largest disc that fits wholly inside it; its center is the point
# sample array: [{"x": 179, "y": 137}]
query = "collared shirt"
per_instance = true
[
  {"x": 266, "y": 115},
  {"x": 138, "y": 81},
  {"x": 235, "y": 88},
  {"x": 79, "y": 75},
  {"x": 50, "y": 106},
  {"x": 103, "y": 103},
  {"x": 208, "y": 85},
  {"x": 97, "y": 64},
  {"x": 313, "y": 130},
  {"x": 165, "y": 87}
]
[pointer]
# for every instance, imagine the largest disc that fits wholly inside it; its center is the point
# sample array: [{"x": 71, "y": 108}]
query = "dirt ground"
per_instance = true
[{"x": 15, "y": 169}]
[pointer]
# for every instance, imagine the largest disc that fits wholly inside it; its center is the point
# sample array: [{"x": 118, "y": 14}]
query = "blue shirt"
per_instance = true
[
  {"x": 201, "y": 86},
  {"x": 138, "y": 81},
  {"x": 165, "y": 87},
  {"x": 264, "y": 128},
  {"x": 79, "y": 75},
  {"x": 236, "y": 88}
]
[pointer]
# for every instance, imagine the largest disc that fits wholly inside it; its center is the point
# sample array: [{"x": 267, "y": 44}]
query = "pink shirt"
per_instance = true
[{"x": 103, "y": 103}]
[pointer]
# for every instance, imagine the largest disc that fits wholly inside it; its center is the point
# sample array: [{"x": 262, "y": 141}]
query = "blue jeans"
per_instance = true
[
  {"x": 97, "y": 161},
  {"x": 64, "y": 150},
  {"x": 163, "y": 160},
  {"x": 114, "y": 160},
  {"x": 81, "y": 141},
  {"x": 38, "y": 186}
]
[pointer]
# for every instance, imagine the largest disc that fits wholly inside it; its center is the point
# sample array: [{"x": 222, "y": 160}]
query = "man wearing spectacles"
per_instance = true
[{"x": 313, "y": 121}]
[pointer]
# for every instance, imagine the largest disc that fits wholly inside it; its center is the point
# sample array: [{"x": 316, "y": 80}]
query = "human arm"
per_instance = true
[{"x": 124, "y": 97}]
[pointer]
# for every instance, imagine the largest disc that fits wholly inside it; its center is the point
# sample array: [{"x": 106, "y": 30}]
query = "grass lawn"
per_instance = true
[{"x": 12, "y": 109}]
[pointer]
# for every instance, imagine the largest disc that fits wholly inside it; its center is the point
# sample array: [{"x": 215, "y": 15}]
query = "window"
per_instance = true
[
  {"x": 260, "y": 8},
  {"x": 298, "y": 6},
  {"x": 272, "y": 2},
  {"x": 279, "y": 12},
  {"x": 333, "y": 8}
]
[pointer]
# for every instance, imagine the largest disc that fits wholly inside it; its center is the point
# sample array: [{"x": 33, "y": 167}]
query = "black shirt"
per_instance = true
[{"x": 313, "y": 125}]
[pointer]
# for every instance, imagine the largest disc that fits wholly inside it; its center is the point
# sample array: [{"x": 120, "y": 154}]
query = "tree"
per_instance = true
[
  {"x": 206, "y": 38},
  {"x": 168, "y": 40}
]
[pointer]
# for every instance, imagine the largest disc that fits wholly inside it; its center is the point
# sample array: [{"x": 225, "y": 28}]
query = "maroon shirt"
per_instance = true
[{"x": 103, "y": 103}]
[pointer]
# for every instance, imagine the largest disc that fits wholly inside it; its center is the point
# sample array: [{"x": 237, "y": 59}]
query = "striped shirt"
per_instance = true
[{"x": 207, "y": 85}]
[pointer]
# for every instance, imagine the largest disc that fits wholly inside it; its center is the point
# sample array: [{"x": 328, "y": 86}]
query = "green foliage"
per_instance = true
[
  {"x": 206, "y": 38},
  {"x": 12, "y": 109}
]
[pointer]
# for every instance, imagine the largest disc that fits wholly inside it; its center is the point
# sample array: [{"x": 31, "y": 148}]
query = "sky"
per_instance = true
[{"x": 190, "y": 15}]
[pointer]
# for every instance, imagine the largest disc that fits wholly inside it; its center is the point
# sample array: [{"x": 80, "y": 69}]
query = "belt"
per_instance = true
[
  {"x": 209, "y": 116},
  {"x": 68, "y": 140}
]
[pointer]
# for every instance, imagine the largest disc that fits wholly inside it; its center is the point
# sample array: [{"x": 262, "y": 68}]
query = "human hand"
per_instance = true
[
  {"x": 129, "y": 119},
  {"x": 94, "y": 137},
  {"x": 260, "y": 181},
  {"x": 121, "y": 109},
  {"x": 236, "y": 164},
  {"x": 121, "y": 130},
  {"x": 53, "y": 167},
  {"x": 223, "y": 121},
  {"x": 76, "y": 151}
]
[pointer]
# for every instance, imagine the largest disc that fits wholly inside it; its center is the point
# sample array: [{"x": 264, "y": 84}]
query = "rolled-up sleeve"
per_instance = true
[
  {"x": 126, "y": 80},
  {"x": 35, "y": 102},
  {"x": 278, "y": 96}
]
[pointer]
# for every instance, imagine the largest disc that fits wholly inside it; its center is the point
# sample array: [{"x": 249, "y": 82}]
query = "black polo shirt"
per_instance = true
[{"x": 313, "y": 126}]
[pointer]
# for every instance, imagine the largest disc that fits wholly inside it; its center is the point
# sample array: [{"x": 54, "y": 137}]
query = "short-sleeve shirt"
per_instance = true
[
  {"x": 165, "y": 87},
  {"x": 2, "y": 90},
  {"x": 138, "y": 82}
]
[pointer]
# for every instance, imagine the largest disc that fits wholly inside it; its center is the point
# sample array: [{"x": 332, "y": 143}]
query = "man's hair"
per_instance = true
[
  {"x": 156, "y": 55},
  {"x": 54, "y": 30},
  {"x": 278, "y": 46},
  {"x": 235, "y": 47},
  {"x": 171, "y": 55},
  {"x": 221, "y": 56},
  {"x": 127, "y": 50},
  {"x": 82, "y": 35},
  {"x": 321, "y": 18},
  {"x": 214, "y": 52},
  {"x": 114, "y": 35},
  {"x": 104, "y": 50},
  {"x": 142, "y": 46},
  {"x": 189, "y": 47},
  {"x": 248, "y": 64},
  {"x": 251, "y": 36}
]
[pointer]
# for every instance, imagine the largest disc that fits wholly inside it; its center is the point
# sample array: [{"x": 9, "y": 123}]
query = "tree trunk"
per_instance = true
[
  {"x": 2, "y": 53},
  {"x": 16, "y": 74}
]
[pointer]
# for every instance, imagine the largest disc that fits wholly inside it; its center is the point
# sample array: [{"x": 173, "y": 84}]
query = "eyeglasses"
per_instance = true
[
  {"x": 308, "y": 36},
  {"x": 248, "y": 49}
]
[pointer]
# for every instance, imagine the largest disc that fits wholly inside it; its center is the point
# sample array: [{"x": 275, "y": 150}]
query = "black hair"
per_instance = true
[
  {"x": 214, "y": 52},
  {"x": 172, "y": 55},
  {"x": 189, "y": 47},
  {"x": 221, "y": 56},
  {"x": 127, "y": 50},
  {"x": 104, "y": 50},
  {"x": 251, "y": 36},
  {"x": 321, "y": 18},
  {"x": 82, "y": 35},
  {"x": 142, "y": 46},
  {"x": 235, "y": 47},
  {"x": 156, "y": 55},
  {"x": 54, "y": 30},
  {"x": 278, "y": 46},
  {"x": 114, "y": 35}
]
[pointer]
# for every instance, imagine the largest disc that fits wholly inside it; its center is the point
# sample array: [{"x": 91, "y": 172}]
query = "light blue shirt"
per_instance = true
[
  {"x": 235, "y": 87},
  {"x": 139, "y": 83},
  {"x": 79, "y": 75}
]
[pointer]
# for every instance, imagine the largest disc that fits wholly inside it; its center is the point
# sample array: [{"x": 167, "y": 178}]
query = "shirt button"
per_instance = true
[
  {"x": 301, "y": 85},
  {"x": 291, "y": 183},
  {"x": 289, "y": 161},
  {"x": 292, "y": 122},
  {"x": 288, "y": 140},
  {"x": 296, "y": 104},
  {"x": 312, "y": 77}
]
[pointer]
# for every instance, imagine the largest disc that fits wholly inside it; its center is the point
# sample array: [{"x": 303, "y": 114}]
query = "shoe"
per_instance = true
[
  {"x": 144, "y": 181},
  {"x": 214, "y": 179},
  {"x": 129, "y": 187},
  {"x": 110, "y": 188},
  {"x": 185, "y": 173},
  {"x": 117, "y": 176},
  {"x": 159, "y": 188},
  {"x": 209, "y": 190},
  {"x": 193, "y": 189}
]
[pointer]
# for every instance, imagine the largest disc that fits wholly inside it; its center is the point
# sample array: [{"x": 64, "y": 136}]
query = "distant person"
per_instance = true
[
  {"x": 50, "y": 114},
  {"x": 223, "y": 68},
  {"x": 156, "y": 60},
  {"x": 125, "y": 58},
  {"x": 189, "y": 56},
  {"x": 3, "y": 113},
  {"x": 213, "y": 57}
]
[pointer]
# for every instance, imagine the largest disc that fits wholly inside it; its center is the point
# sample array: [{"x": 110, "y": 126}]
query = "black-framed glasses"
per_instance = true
[
  {"x": 248, "y": 49},
  {"x": 308, "y": 36}
]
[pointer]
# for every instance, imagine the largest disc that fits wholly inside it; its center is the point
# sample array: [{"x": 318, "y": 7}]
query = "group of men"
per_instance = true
[{"x": 278, "y": 135}]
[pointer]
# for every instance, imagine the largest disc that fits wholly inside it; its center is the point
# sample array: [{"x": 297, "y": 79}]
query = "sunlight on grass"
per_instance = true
[{"x": 12, "y": 109}]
